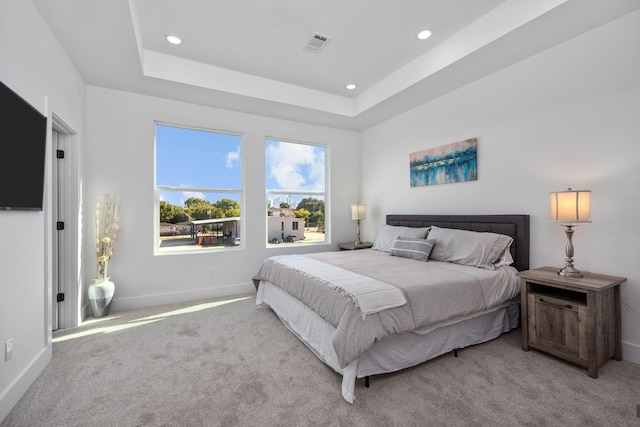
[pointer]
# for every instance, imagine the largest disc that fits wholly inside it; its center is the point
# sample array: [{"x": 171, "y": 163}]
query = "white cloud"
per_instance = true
[
  {"x": 192, "y": 194},
  {"x": 178, "y": 198},
  {"x": 295, "y": 166},
  {"x": 232, "y": 157}
]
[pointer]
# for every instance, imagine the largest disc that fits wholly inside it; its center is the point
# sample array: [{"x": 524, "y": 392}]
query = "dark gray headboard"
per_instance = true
[{"x": 516, "y": 226}]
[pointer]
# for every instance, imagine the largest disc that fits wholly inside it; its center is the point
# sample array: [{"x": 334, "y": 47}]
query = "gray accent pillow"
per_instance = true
[
  {"x": 410, "y": 247},
  {"x": 389, "y": 233},
  {"x": 474, "y": 248}
]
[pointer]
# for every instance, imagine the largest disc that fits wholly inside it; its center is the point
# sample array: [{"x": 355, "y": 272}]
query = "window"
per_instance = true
[
  {"x": 198, "y": 188},
  {"x": 296, "y": 192}
]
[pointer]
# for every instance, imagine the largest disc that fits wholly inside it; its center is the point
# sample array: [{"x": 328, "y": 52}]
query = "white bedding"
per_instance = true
[
  {"x": 451, "y": 303},
  {"x": 436, "y": 292},
  {"x": 369, "y": 295},
  {"x": 393, "y": 353}
]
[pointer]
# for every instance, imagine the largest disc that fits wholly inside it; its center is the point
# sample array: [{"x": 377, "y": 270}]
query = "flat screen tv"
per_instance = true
[{"x": 23, "y": 145}]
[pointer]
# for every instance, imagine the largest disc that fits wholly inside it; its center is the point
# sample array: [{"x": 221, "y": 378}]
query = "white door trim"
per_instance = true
[{"x": 66, "y": 247}]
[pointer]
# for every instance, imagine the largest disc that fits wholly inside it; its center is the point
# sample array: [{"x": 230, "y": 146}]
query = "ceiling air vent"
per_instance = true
[{"x": 317, "y": 42}]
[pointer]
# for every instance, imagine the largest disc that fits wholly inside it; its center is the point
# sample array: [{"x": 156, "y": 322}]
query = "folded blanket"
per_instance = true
[{"x": 368, "y": 294}]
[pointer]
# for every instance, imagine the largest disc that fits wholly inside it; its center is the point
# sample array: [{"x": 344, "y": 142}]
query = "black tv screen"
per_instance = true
[{"x": 23, "y": 142}]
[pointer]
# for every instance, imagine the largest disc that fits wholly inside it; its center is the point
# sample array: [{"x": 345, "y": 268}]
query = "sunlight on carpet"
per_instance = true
[
  {"x": 145, "y": 320},
  {"x": 104, "y": 330},
  {"x": 194, "y": 308}
]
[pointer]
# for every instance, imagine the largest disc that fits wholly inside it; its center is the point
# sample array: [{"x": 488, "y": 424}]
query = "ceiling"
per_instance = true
[{"x": 248, "y": 55}]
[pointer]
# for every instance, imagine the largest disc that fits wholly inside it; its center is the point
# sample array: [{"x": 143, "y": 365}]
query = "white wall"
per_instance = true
[
  {"x": 568, "y": 117},
  {"x": 120, "y": 159},
  {"x": 34, "y": 65}
]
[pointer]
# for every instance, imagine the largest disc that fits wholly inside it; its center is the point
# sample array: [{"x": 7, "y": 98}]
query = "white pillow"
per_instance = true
[
  {"x": 505, "y": 259},
  {"x": 389, "y": 233},
  {"x": 477, "y": 249}
]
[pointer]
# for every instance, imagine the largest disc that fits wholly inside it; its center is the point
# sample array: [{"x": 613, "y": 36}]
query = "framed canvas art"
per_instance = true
[{"x": 449, "y": 163}]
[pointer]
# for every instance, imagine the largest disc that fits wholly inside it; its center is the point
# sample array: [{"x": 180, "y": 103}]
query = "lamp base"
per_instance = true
[{"x": 570, "y": 271}]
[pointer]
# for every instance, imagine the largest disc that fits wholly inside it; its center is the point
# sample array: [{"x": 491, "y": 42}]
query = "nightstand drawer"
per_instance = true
[{"x": 558, "y": 323}]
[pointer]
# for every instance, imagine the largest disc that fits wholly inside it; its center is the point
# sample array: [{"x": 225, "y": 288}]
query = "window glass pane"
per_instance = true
[
  {"x": 199, "y": 187},
  {"x": 194, "y": 200},
  {"x": 296, "y": 191},
  {"x": 197, "y": 158},
  {"x": 294, "y": 166}
]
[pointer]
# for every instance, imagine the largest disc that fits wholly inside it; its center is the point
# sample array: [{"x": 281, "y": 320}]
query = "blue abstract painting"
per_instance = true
[{"x": 455, "y": 162}]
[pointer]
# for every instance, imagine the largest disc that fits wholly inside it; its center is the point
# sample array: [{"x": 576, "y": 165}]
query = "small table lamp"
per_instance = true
[
  {"x": 357, "y": 213},
  {"x": 570, "y": 208}
]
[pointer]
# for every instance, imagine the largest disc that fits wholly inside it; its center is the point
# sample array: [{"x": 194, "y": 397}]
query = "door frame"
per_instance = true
[{"x": 65, "y": 244}]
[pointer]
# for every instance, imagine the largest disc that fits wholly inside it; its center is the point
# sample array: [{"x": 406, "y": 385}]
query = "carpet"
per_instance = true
[{"x": 225, "y": 362}]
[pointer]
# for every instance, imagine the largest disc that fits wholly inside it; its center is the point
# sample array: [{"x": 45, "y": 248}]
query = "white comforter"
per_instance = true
[
  {"x": 368, "y": 294},
  {"x": 435, "y": 292}
]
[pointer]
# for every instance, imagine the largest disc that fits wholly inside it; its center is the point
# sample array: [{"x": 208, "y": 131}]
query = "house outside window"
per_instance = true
[
  {"x": 296, "y": 192},
  {"x": 198, "y": 189}
]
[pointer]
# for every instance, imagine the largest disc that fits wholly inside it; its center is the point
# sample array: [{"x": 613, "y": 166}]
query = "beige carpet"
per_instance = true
[{"x": 228, "y": 363}]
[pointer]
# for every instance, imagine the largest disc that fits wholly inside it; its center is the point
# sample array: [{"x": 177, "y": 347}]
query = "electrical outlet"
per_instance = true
[{"x": 8, "y": 350}]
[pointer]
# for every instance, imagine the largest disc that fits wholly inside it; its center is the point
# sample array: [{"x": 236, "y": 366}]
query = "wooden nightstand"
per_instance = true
[
  {"x": 354, "y": 247},
  {"x": 576, "y": 319}
]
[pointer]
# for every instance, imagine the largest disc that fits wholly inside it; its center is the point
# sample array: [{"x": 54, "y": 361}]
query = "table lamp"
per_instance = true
[
  {"x": 357, "y": 214},
  {"x": 570, "y": 208}
]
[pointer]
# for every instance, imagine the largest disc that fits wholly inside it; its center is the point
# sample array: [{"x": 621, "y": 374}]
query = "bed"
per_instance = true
[{"x": 429, "y": 285}]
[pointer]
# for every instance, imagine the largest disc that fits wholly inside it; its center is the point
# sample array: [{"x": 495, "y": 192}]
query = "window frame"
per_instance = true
[
  {"x": 324, "y": 195},
  {"x": 158, "y": 189}
]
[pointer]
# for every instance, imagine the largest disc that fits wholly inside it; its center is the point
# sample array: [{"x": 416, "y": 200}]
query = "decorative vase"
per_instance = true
[{"x": 100, "y": 296}]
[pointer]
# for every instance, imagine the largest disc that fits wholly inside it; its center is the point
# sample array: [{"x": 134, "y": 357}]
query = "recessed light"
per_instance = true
[
  {"x": 424, "y": 34},
  {"x": 351, "y": 86},
  {"x": 173, "y": 39}
]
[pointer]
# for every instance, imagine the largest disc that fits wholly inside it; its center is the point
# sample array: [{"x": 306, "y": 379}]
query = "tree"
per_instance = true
[
  {"x": 284, "y": 205},
  {"x": 197, "y": 208},
  {"x": 302, "y": 213},
  {"x": 316, "y": 217},
  {"x": 180, "y": 216},
  {"x": 205, "y": 211},
  {"x": 167, "y": 211},
  {"x": 312, "y": 204},
  {"x": 228, "y": 207},
  {"x": 172, "y": 214},
  {"x": 192, "y": 201}
]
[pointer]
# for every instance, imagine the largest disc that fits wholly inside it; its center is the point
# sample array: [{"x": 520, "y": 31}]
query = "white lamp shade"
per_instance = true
[
  {"x": 357, "y": 211},
  {"x": 571, "y": 206}
]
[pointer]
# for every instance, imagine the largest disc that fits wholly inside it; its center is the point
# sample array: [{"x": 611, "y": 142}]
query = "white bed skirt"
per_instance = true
[{"x": 390, "y": 354}]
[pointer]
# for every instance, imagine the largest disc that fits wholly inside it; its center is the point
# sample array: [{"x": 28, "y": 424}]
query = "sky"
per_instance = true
[{"x": 199, "y": 158}]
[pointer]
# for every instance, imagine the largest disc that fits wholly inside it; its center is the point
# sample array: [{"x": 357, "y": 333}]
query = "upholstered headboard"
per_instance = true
[{"x": 515, "y": 226}]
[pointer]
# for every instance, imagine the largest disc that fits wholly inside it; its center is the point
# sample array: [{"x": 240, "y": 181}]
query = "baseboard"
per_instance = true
[
  {"x": 122, "y": 304},
  {"x": 631, "y": 352},
  {"x": 12, "y": 394}
]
